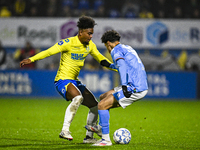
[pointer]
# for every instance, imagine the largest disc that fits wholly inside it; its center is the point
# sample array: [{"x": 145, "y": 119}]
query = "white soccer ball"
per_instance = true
[{"x": 122, "y": 136}]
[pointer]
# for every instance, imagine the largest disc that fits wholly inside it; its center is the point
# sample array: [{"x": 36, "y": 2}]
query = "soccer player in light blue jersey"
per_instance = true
[{"x": 133, "y": 83}]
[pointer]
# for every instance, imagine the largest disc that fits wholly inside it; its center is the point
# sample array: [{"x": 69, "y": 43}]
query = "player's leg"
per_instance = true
[
  {"x": 97, "y": 129},
  {"x": 102, "y": 96},
  {"x": 103, "y": 109},
  {"x": 116, "y": 99},
  {"x": 75, "y": 96},
  {"x": 92, "y": 118},
  {"x": 89, "y": 99}
]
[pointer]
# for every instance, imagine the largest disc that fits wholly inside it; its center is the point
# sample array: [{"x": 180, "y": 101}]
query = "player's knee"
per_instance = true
[
  {"x": 101, "y": 96},
  {"x": 101, "y": 105},
  {"x": 76, "y": 102}
]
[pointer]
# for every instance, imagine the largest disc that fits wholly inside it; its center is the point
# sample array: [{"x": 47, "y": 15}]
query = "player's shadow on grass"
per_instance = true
[{"x": 43, "y": 144}]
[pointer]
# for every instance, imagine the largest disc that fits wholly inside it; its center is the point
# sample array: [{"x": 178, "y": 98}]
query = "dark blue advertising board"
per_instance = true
[
  {"x": 37, "y": 83},
  {"x": 172, "y": 85}
]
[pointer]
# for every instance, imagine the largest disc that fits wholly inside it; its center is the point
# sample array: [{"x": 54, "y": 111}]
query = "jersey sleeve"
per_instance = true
[
  {"x": 57, "y": 48},
  {"x": 98, "y": 56},
  {"x": 117, "y": 55},
  {"x": 63, "y": 45},
  {"x": 122, "y": 71},
  {"x": 46, "y": 53}
]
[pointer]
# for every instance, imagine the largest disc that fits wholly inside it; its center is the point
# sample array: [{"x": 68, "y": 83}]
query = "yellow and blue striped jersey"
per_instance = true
[{"x": 73, "y": 54}]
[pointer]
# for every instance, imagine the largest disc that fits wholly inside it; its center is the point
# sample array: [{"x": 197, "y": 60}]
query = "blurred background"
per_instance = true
[
  {"x": 165, "y": 34},
  {"x": 180, "y": 9}
]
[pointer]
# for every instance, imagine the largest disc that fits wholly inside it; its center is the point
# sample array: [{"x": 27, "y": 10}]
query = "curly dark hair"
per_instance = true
[
  {"x": 111, "y": 36},
  {"x": 85, "y": 22}
]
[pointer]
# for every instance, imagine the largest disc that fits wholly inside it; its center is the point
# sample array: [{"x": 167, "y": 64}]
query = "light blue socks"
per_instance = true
[{"x": 104, "y": 117}]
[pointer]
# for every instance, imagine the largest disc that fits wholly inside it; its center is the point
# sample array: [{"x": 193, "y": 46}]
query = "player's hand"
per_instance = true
[
  {"x": 25, "y": 62},
  {"x": 127, "y": 93}
]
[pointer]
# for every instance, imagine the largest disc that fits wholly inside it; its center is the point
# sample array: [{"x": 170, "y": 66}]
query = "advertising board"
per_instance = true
[{"x": 41, "y": 83}]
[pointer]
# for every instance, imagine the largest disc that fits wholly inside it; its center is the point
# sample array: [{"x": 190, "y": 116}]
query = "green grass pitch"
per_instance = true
[{"x": 154, "y": 125}]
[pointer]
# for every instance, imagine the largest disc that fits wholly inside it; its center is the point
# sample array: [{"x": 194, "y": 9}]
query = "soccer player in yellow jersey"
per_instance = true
[{"x": 73, "y": 53}]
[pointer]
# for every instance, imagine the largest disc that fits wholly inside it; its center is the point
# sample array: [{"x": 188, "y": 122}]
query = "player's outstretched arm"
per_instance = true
[
  {"x": 25, "y": 62},
  {"x": 107, "y": 64}
]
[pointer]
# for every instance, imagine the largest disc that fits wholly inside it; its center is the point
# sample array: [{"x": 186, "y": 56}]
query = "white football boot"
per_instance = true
[
  {"x": 66, "y": 135},
  {"x": 102, "y": 142}
]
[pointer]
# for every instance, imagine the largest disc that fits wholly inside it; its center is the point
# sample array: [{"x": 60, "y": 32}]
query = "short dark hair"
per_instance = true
[
  {"x": 111, "y": 36},
  {"x": 85, "y": 22}
]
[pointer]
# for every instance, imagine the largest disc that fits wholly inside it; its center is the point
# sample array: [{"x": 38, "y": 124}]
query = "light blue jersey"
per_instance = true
[{"x": 135, "y": 71}]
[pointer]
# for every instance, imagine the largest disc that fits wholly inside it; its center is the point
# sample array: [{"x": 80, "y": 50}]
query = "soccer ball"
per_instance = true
[{"x": 122, "y": 136}]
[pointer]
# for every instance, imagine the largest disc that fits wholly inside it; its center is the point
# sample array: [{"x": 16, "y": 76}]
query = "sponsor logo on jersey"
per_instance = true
[
  {"x": 77, "y": 56},
  {"x": 75, "y": 47},
  {"x": 157, "y": 33},
  {"x": 87, "y": 49}
]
